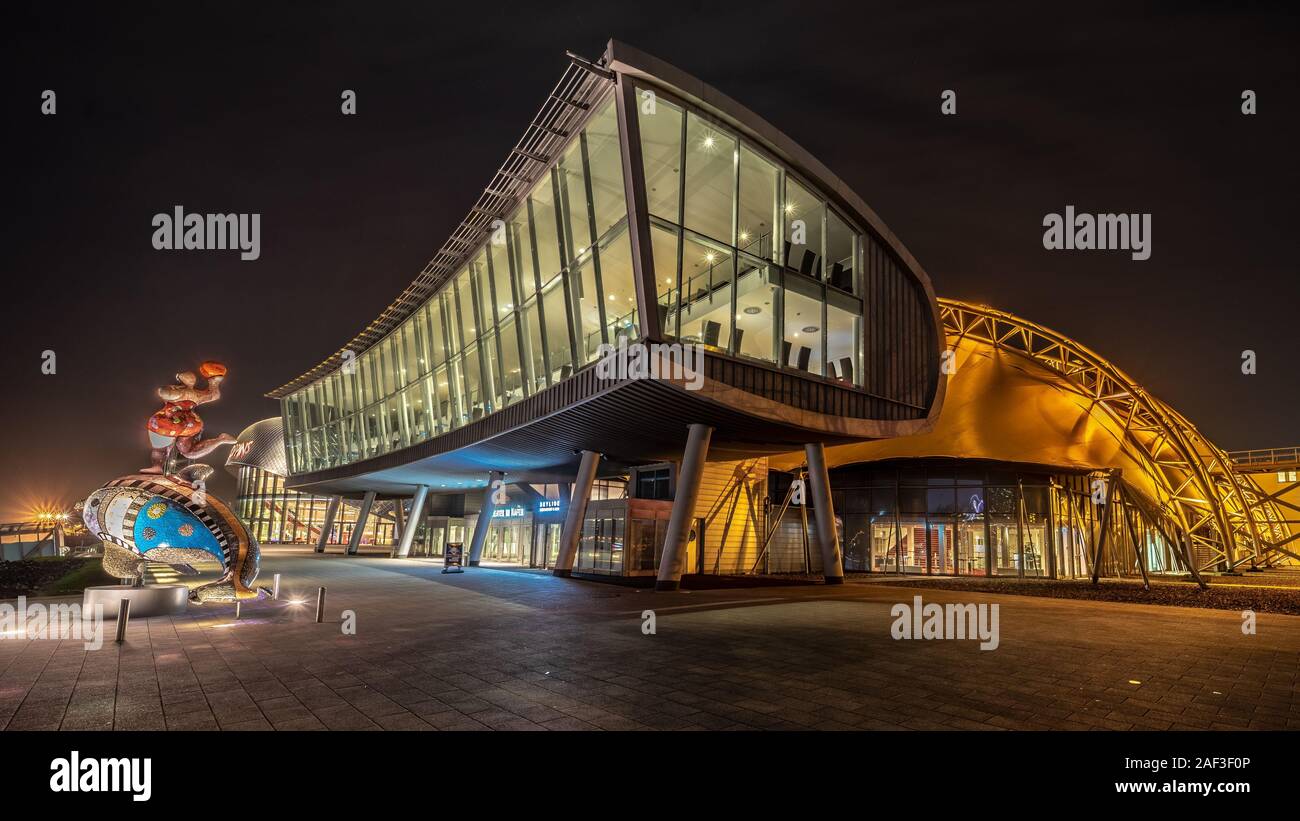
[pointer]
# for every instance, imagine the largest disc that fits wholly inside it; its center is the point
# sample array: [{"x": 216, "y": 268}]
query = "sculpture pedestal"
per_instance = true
[{"x": 150, "y": 600}]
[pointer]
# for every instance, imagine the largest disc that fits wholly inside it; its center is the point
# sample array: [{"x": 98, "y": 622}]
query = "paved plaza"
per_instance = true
[{"x": 522, "y": 650}]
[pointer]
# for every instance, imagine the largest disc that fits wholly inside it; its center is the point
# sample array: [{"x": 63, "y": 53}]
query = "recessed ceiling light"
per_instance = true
[
  {"x": 810, "y": 329},
  {"x": 753, "y": 309}
]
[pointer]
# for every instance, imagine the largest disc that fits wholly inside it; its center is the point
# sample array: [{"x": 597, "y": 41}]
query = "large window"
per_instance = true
[
  {"x": 711, "y": 157},
  {"x": 557, "y": 273},
  {"x": 738, "y": 211},
  {"x": 661, "y": 150}
]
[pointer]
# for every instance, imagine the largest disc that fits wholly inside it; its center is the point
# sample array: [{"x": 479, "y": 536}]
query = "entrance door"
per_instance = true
[
  {"x": 971, "y": 547},
  {"x": 551, "y": 545},
  {"x": 941, "y": 548}
]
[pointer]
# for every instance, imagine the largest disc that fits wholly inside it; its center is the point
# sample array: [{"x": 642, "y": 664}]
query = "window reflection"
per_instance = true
[
  {"x": 660, "y": 126},
  {"x": 757, "y": 215},
  {"x": 706, "y": 292},
  {"x": 710, "y": 180}
]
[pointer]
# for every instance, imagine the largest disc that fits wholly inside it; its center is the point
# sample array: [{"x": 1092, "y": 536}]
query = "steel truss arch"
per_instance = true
[{"x": 1223, "y": 515}]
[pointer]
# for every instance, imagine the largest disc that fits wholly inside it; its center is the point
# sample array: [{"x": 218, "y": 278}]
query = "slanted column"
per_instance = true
[
  {"x": 484, "y": 519},
  {"x": 399, "y": 522},
  {"x": 673, "y": 562},
  {"x": 574, "y": 514},
  {"x": 331, "y": 513},
  {"x": 355, "y": 541},
  {"x": 412, "y": 521},
  {"x": 828, "y": 538}
]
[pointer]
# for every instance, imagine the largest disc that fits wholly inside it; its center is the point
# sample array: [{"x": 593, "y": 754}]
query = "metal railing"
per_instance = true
[{"x": 1266, "y": 458}]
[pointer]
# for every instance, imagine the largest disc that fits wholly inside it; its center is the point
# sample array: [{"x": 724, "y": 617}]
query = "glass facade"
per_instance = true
[
  {"x": 968, "y": 518},
  {"x": 531, "y": 306},
  {"x": 276, "y": 515},
  {"x": 748, "y": 260}
]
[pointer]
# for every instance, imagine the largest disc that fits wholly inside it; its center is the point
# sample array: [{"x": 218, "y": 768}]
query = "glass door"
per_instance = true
[
  {"x": 971, "y": 548},
  {"x": 942, "y": 547}
]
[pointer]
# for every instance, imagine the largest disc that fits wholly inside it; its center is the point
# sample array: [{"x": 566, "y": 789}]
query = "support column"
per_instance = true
[
  {"x": 673, "y": 562},
  {"x": 412, "y": 521},
  {"x": 362, "y": 515},
  {"x": 484, "y": 519},
  {"x": 399, "y": 522},
  {"x": 574, "y": 513},
  {"x": 828, "y": 538},
  {"x": 331, "y": 513}
]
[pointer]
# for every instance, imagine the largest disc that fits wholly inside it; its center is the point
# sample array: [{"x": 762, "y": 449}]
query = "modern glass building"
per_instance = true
[
  {"x": 644, "y": 208},
  {"x": 640, "y": 207},
  {"x": 274, "y": 514},
  {"x": 749, "y": 257}
]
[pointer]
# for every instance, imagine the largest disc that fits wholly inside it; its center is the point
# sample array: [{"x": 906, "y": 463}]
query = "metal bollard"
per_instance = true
[
  {"x": 123, "y": 616},
  {"x": 275, "y": 587},
  {"x": 320, "y": 605}
]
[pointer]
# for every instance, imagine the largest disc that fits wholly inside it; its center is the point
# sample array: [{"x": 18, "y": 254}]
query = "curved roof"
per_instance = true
[
  {"x": 260, "y": 445},
  {"x": 1023, "y": 393}
]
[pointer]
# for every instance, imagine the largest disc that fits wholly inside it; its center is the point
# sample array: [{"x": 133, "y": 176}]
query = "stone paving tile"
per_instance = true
[{"x": 493, "y": 649}]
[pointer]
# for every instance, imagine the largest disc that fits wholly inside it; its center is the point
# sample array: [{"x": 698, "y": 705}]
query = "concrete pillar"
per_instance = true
[
  {"x": 399, "y": 522},
  {"x": 362, "y": 515},
  {"x": 673, "y": 562},
  {"x": 484, "y": 522},
  {"x": 331, "y": 513},
  {"x": 828, "y": 538},
  {"x": 412, "y": 521},
  {"x": 573, "y": 515}
]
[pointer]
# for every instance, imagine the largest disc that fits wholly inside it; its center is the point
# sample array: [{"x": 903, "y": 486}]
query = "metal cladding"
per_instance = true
[
  {"x": 1019, "y": 392},
  {"x": 261, "y": 446}
]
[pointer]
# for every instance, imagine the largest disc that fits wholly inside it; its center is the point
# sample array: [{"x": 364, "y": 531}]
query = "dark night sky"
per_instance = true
[{"x": 235, "y": 108}]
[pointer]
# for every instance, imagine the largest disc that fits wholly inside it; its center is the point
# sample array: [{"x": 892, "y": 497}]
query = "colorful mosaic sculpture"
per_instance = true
[{"x": 164, "y": 513}]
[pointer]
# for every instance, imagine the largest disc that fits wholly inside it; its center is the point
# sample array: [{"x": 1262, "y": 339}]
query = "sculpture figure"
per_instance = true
[
  {"x": 165, "y": 514},
  {"x": 176, "y": 427}
]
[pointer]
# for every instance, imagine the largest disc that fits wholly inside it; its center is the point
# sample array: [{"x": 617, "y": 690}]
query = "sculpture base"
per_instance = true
[{"x": 150, "y": 600}]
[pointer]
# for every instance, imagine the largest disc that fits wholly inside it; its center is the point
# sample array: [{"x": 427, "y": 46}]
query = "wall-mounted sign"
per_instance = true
[
  {"x": 511, "y": 512},
  {"x": 549, "y": 506}
]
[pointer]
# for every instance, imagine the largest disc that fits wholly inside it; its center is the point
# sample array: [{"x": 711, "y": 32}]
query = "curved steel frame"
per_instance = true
[{"x": 1199, "y": 491}]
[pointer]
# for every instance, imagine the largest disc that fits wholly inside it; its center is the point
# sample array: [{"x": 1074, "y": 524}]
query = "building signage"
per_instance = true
[
  {"x": 548, "y": 506},
  {"x": 453, "y": 555},
  {"x": 512, "y": 512}
]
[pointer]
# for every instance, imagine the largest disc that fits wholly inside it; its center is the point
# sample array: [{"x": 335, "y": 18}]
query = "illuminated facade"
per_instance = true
[
  {"x": 748, "y": 259},
  {"x": 275, "y": 514},
  {"x": 1048, "y": 460},
  {"x": 641, "y": 205}
]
